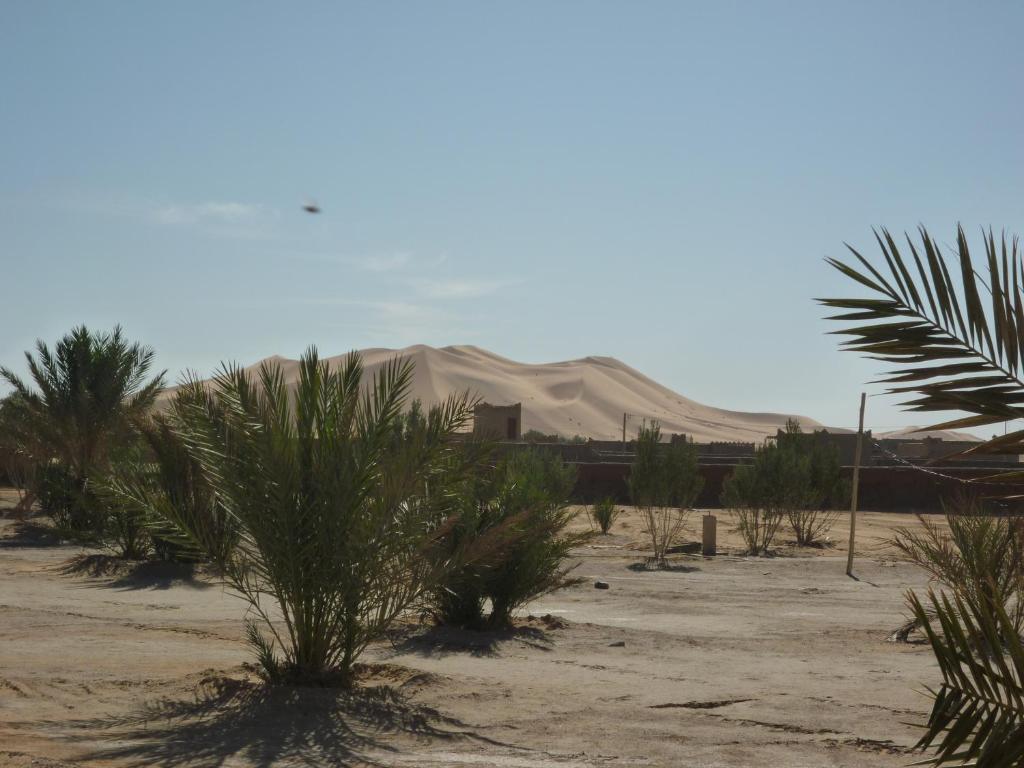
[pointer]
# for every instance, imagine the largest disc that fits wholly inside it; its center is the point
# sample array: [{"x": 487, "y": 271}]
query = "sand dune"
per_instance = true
[
  {"x": 920, "y": 433},
  {"x": 577, "y": 397}
]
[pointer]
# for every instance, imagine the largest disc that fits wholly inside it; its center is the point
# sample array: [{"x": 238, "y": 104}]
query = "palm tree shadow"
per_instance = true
[
  {"x": 30, "y": 534},
  {"x": 230, "y": 720},
  {"x": 443, "y": 641},
  {"x": 128, "y": 575}
]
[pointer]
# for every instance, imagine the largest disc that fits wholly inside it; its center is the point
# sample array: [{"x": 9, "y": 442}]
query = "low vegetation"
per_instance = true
[
  {"x": 818, "y": 489},
  {"x": 956, "y": 344},
  {"x": 663, "y": 482},
  {"x": 795, "y": 479},
  {"x": 77, "y": 417},
  {"x": 335, "y": 518},
  {"x": 977, "y": 556},
  {"x": 511, "y": 531},
  {"x": 603, "y": 514}
]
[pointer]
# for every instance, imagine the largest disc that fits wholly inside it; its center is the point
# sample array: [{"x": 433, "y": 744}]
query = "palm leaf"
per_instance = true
[
  {"x": 977, "y": 717},
  {"x": 957, "y": 344}
]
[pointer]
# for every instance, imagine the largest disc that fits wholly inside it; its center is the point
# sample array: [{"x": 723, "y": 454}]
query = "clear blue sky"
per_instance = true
[{"x": 654, "y": 181}]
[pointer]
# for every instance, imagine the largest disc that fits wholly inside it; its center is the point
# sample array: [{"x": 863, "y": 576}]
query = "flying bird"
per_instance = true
[{"x": 311, "y": 207}]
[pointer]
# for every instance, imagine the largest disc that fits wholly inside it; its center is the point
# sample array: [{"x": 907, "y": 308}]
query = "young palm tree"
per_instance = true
[
  {"x": 955, "y": 345},
  {"x": 89, "y": 391},
  {"x": 335, "y": 517}
]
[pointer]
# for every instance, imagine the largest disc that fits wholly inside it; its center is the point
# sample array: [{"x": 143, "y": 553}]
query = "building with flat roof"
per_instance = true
[{"x": 498, "y": 422}]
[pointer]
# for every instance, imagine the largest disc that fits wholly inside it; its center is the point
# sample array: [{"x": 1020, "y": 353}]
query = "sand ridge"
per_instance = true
[{"x": 585, "y": 397}]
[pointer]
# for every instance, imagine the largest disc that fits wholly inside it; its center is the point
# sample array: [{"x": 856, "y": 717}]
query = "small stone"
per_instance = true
[
  {"x": 617, "y": 644},
  {"x": 601, "y": 585}
]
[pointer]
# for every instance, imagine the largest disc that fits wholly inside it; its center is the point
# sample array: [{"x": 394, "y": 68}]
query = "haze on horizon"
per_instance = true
[{"x": 654, "y": 183}]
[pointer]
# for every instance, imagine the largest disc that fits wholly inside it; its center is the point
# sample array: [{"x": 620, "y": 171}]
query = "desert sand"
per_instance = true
[
  {"x": 725, "y": 661},
  {"x": 585, "y": 397}
]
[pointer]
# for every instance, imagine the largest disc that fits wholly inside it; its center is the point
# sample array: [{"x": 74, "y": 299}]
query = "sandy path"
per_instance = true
[{"x": 732, "y": 662}]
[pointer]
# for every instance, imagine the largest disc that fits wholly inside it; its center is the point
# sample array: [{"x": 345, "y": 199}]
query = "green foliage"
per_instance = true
[
  {"x": 513, "y": 521},
  {"x": 977, "y": 716},
  {"x": 818, "y": 485},
  {"x": 936, "y": 333},
  {"x": 604, "y": 514},
  {"x": 765, "y": 492},
  {"x": 17, "y": 460},
  {"x": 951, "y": 353},
  {"x": 167, "y": 493},
  {"x": 63, "y": 498},
  {"x": 88, "y": 394},
  {"x": 664, "y": 481},
  {"x": 978, "y": 556},
  {"x": 335, "y": 523}
]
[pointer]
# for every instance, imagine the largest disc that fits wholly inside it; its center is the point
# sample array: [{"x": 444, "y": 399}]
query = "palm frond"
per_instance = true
[
  {"x": 957, "y": 344},
  {"x": 977, "y": 717}
]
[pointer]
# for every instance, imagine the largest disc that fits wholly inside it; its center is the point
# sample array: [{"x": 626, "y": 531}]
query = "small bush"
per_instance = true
[
  {"x": 183, "y": 516},
  {"x": 816, "y": 485},
  {"x": 764, "y": 493},
  {"x": 68, "y": 502},
  {"x": 604, "y": 513},
  {"x": 510, "y": 532},
  {"x": 663, "y": 483},
  {"x": 978, "y": 556}
]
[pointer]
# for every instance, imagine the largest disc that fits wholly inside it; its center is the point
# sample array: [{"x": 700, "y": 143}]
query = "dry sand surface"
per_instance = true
[
  {"x": 577, "y": 397},
  {"x": 729, "y": 661}
]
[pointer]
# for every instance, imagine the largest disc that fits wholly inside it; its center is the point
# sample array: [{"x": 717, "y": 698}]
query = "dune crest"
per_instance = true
[{"x": 584, "y": 397}]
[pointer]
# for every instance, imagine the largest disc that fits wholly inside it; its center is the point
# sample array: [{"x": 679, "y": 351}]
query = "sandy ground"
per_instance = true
[{"x": 730, "y": 661}]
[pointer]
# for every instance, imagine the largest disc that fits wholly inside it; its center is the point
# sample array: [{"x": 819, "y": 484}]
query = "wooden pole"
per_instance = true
[
  {"x": 856, "y": 483},
  {"x": 623, "y": 432}
]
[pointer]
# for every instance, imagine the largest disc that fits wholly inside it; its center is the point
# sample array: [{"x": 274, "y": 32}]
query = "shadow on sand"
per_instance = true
[
  {"x": 231, "y": 720},
  {"x": 446, "y": 641},
  {"x": 128, "y": 575},
  {"x": 650, "y": 564},
  {"x": 28, "y": 533}
]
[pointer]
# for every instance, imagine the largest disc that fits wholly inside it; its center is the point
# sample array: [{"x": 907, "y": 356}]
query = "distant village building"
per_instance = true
[{"x": 498, "y": 422}]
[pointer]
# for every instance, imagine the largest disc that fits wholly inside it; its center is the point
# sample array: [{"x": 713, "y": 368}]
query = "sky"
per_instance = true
[{"x": 654, "y": 181}]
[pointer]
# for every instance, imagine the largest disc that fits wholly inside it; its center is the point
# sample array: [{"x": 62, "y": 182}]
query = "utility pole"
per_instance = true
[
  {"x": 624, "y": 432},
  {"x": 856, "y": 483}
]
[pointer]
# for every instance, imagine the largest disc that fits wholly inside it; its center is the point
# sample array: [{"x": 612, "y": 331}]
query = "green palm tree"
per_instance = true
[
  {"x": 955, "y": 344},
  {"x": 89, "y": 392},
  {"x": 336, "y": 519}
]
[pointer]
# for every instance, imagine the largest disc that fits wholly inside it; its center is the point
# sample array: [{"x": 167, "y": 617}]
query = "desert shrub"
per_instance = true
[
  {"x": 58, "y": 492},
  {"x": 335, "y": 527},
  {"x": 765, "y": 492},
  {"x": 604, "y": 513},
  {"x": 17, "y": 460},
  {"x": 663, "y": 482},
  {"x": 818, "y": 486},
  {"x": 166, "y": 493},
  {"x": 977, "y": 556},
  {"x": 88, "y": 393},
  {"x": 511, "y": 530},
  {"x": 126, "y": 530}
]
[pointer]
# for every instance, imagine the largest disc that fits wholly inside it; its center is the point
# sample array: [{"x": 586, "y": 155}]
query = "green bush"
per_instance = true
[
  {"x": 978, "y": 556},
  {"x": 765, "y": 492},
  {"x": 511, "y": 529},
  {"x": 80, "y": 411},
  {"x": 818, "y": 486},
  {"x": 663, "y": 482},
  {"x": 604, "y": 513},
  {"x": 336, "y": 518}
]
